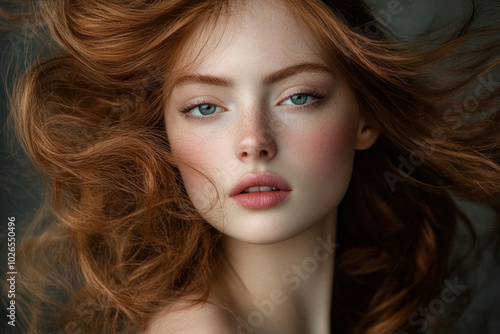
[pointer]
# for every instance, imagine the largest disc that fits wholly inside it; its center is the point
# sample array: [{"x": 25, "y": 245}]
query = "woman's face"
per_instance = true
[{"x": 261, "y": 99}]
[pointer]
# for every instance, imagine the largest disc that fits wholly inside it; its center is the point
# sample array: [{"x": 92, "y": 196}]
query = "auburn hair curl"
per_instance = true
[{"x": 123, "y": 240}]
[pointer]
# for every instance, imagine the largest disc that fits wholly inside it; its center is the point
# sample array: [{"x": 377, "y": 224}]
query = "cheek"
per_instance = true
[
  {"x": 205, "y": 156},
  {"x": 329, "y": 147},
  {"x": 323, "y": 162},
  {"x": 188, "y": 146}
]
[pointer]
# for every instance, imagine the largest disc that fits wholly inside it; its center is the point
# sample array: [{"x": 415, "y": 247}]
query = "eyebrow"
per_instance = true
[{"x": 268, "y": 80}]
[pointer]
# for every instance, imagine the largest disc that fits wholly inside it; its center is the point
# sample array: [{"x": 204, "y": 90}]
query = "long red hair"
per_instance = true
[{"x": 123, "y": 239}]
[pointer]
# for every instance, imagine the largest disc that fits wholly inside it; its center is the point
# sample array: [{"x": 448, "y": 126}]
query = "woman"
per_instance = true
[{"x": 216, "y": 166}]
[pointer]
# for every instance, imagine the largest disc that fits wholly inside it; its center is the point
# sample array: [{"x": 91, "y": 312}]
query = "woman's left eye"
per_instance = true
[{"x": 301, "y": 99}]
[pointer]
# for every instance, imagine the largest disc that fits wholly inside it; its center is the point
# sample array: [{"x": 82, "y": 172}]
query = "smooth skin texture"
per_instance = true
[{"x": 257, "y": 101}]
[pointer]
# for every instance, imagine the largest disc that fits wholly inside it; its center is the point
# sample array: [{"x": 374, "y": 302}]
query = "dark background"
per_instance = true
[{"x": 21, "y": 188}]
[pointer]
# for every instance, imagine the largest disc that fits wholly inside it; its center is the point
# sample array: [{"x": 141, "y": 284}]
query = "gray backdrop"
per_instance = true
[{"x": 20, "y": 193}]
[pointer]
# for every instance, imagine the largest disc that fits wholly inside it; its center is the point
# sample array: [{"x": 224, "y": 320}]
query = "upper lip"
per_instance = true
[{"x": 265, "y": 179}]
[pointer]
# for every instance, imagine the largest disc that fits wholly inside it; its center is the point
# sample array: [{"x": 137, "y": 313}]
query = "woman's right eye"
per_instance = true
[
  {"x": 206, "y": 109},
  {"x": 200, "y": 110}
]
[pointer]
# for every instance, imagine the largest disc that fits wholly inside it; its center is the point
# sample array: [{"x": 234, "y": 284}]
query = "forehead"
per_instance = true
[{"x": 258, "y": 34}]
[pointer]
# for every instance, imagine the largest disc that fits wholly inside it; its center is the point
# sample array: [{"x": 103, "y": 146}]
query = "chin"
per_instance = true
[
  {"x": 262, "y": 228},
  {"x": 272, "y": 225}
]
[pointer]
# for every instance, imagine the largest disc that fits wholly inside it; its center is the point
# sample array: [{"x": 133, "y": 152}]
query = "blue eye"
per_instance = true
[
  {"x": 301, "y": 99},
  {"x": 206, "y": 109},
  {"x": 200, "y": 110}
]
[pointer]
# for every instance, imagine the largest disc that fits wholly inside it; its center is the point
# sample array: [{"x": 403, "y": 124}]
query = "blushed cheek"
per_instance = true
[
  {"x": 203, "y": 156},
  {"x": 329, "y": 148},
  {"x": 327, "y": 160},
  {"x": 189, "y": 151}
]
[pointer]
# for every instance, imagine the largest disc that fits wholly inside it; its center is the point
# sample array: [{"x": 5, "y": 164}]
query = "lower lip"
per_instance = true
[{"x": 261, "y": 200}]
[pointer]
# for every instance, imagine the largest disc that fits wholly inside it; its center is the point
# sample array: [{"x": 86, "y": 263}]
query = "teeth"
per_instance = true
[{"x": 257, "y": 189}]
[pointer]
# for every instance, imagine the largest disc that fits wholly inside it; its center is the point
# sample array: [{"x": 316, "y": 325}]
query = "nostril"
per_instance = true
[{"x": 256, "y": 150}]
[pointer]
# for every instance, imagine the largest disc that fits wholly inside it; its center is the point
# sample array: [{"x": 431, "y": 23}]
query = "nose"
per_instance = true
[{"x": 256, "y": 138}]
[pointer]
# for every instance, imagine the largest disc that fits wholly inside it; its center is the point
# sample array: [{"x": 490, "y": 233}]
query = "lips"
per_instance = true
[{"x": 265, "y": 179}]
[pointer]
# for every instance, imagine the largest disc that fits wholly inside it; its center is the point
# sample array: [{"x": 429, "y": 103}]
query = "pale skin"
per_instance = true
[{"x": 275, "y": 105}]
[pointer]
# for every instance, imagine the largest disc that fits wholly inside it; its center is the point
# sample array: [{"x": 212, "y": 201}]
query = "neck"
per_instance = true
[{"x": 284, "y": 287}]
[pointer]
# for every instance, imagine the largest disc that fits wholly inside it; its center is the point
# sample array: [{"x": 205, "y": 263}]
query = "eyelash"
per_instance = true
[
  {"x": 317, "y": 97},
  {"x": 188, "y": 107}
]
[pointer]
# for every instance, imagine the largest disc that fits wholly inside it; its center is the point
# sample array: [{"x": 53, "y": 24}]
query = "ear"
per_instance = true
[{"x": 368, "y": 132}]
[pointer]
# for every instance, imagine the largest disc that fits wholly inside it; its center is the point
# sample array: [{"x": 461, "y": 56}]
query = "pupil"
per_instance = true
[
  {"x": 299, "y": 99},
  {"x": 206, "y": 109}
]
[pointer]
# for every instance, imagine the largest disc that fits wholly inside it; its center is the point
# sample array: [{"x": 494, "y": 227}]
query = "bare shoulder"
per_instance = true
[{"x": 204, "y": 318}]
